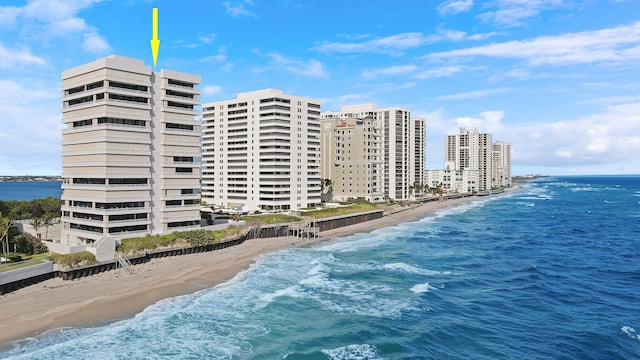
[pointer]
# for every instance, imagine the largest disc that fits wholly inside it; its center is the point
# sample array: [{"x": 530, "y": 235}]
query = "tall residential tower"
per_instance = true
[
  {"x": 352, "y": 158},
  {"x": 261, "y": 151},
  {"x": 130, "y": 152},
  {"x": 403, "y": 145},
  {"x": 501, "y": 164},
  {"x": 472, "y": 151}
]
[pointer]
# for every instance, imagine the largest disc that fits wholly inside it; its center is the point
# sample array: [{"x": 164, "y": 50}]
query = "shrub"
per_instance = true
[
  {"x": 198, "y": 237},
  {"x": 14, "y": 257},
  {"x": 28, "y": 244},
  {"x": 75, "y": 259}
]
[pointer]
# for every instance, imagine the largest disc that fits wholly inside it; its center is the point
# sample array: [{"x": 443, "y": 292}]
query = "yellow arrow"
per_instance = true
[{"x": 155, "y": 42}]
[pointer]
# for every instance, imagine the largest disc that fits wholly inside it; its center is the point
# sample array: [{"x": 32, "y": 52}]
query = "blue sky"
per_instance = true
[{"x": 559, "y": 79}]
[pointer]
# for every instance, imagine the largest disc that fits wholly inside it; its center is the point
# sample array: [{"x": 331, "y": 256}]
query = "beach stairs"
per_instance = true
[
  {"x": 304, "y": 229},
  {"x": 123, "y": 262}
]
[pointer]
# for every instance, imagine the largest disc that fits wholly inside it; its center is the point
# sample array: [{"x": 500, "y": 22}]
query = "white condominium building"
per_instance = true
[
  {"x": 403, "y": 144},
  {"x": 501, "y": 164},
  {"x": 418, "y": 149},
  {"x": 130, "y": 151},
  {"x": 352, "y": 158},
  {"x": 471, "y": 150},
  {"x": 453, "y": 181},
  {"x": 261, "y": 151}
]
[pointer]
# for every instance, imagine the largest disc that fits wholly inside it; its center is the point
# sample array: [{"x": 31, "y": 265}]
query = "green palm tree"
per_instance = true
[
  {"x": 5, "y": 225},
  {"x": 36, "y": 223},
  {"x": 48, "y": 220}
]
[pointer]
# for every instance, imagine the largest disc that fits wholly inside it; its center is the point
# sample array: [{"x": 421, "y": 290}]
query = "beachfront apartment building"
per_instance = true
[
  {"x": 418, "y": 138},
  {"x": 501, "y": 157},
  {"x": 453, "y": 181},
  {"x": 130, "y": 151},
  {"x": 352, "y": 158},
  {"x": 471, "y": 150},
  {"x": 403, "y": 147},
  {"x": 261, "y": 151}
]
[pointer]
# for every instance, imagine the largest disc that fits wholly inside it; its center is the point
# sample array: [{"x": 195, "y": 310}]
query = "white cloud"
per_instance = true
[
  {"x": 454, "y": 6},
  {"x": 13, "y": 58},
  {"x": 214, "y": 59},
  {"x": 489, "y": 121},
  {"x": 438, "y": 72},
  {"x": 95, "y": 43},
  {"x": 207, "y": 39},
  {"x": 473, "y": 94},
  {"x": 219, "y": 58},
  {"x": 239, "y": 9},
  {"x": 388, "y": 44},
  {"x": 9, "y": 15},
  {"x": 515, "y": 12},
  {"x": 30, "y": 135},
  {"x": 392, "y": 70},
  {"x": 608, "y": 140},
  {"x": 45, "y": 19},
  {"x": 613, "y": 45},
  {"x": 201, "y": 40},
  {"x": 311, "y": 67},
  {"x": 211, "y": 90},
  {"x": 396, "y": 44}
]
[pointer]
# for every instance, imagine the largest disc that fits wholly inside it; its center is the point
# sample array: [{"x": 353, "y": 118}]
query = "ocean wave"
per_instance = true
[
  {"x": 358, "y": 297},
  {"x": 422, "y": 288},
  {"x": 562, "y": 184},
  {"x": 354, "y": 352},
  {"x": 413, "y": 269},
  {"x": 631, "y": 332},
  {"x": 585, "y": 188}
]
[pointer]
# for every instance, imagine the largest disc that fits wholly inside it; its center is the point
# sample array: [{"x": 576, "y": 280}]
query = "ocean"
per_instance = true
[
  {"x": 29, "y": 190},
  {"x": 548, "y": 271}
]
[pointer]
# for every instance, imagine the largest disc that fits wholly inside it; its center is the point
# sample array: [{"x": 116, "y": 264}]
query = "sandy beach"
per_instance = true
[{"x": 116, "y": 295}]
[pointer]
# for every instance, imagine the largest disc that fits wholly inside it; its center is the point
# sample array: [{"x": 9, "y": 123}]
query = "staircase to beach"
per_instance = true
[{"x": 124, "y": 262}]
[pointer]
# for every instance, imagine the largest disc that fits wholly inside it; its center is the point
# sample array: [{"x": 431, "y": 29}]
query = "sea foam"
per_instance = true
[
  {"x": 422, "y": 288},
  {"x": 354, "y": 352}
]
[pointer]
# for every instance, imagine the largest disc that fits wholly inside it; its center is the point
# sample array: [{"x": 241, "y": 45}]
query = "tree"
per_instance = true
[
  {"x": 20, "y": 211},
  {"x": 48, "y": 220},
  {"x": 5, "y": 225},
  {"x": 36, "y": 223},
  {"x": 29, "y": 244}
]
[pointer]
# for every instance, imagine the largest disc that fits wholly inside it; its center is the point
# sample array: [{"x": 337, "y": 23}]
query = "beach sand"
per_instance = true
[{"x": 114, "y": 295}]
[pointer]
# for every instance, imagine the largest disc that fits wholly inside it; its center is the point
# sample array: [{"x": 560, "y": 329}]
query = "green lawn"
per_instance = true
[
  {"x": 328, "y": 212},
  {"x": 27, "y": 261},
  {"x": 268, "y": 219}
]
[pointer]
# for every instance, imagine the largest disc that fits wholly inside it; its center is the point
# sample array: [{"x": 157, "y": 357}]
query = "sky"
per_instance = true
[{"x": 558, "y": 79}]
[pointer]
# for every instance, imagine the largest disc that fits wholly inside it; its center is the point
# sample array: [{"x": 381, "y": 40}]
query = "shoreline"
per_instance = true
[{"x": 117, "y": 295}]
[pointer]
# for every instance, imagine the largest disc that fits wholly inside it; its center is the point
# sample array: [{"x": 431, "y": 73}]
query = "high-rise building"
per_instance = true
[
  {"x": 418, "y": 149},
  {"x": 261, "y": 151},
  {"x": 352, "y": 158},
  {"x": 403, "y": 144},
  {"x": 130, "y": 151},
  {"x": 501, "y": 164},
  {"x": 471, "y": 150}
]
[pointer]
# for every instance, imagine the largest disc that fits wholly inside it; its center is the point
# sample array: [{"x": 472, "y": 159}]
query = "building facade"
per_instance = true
[
  {"x": 418, "y": 149},
  {"x": 471, "y": 150},
  {"x": 501, "y": 164},
  {"x": 261, "y": 151},
  {"x": 352, "y": 158},
  {"x": 453, "y": 181},
  {"x": 130, "y": 151},
  {"x": 403, "y": 145}
]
